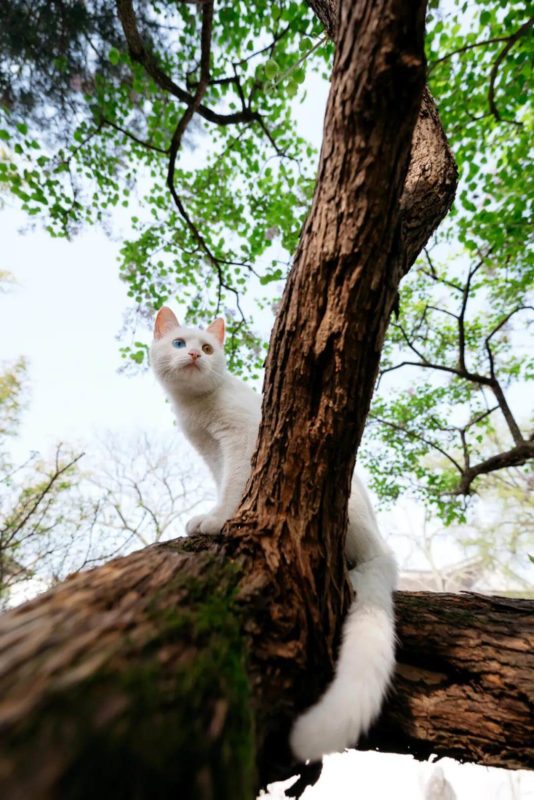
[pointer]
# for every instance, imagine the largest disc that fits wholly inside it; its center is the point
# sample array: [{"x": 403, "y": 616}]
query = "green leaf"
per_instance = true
[
  {"x": 299, "y": 75},
  {"x": 271, "y": 69},
  {"x": 292, "y": 88}
]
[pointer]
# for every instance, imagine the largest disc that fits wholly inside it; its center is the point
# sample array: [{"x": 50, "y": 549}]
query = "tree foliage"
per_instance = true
[
  {"x": 251, "y": 184},
  {"x": 181, "y": 119},
  {"x": 461, "y": 333},
  {"x": 308, "y": 431}
]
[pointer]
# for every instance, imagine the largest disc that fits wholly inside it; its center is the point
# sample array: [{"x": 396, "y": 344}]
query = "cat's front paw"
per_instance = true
[
  {"x": 205, "y": 523},
  {"x": 193, "y": 525},
  {"x": 212, "y": 523}
]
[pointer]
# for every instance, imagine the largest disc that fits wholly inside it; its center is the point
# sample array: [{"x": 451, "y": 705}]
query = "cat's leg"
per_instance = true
[
  {"x": 236, "y": 455},
  {"x": 213, "y": 461}
]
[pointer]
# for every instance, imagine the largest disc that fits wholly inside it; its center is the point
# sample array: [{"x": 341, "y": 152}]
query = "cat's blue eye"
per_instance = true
[{"x": 178, "y": 343}]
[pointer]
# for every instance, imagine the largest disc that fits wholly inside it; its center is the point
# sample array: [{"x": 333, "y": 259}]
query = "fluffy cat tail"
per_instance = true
[{"x": 364, "y": 669}]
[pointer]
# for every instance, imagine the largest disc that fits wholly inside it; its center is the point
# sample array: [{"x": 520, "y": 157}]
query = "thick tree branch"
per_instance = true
[
  {"x": 330, "y": 329},
  {"x": 327, "y": 11},
  {"x": 515, "y": 457},
  {"x": 112, "y": 668},
  {"x": 463, "y": 685},
  {"x": 430, "y": 183}
]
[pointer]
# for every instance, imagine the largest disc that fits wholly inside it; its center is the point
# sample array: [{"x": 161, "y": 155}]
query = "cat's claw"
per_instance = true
[{"x": 205, "y": 523}]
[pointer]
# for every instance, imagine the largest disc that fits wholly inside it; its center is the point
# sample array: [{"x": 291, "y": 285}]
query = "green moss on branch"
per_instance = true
[{"x": 161, "y": 710}]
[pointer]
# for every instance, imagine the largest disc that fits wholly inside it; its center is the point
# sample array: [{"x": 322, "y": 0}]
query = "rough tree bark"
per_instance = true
[
  {"x": 130, "y": 681},
  {"x": 177, "y": 670}
]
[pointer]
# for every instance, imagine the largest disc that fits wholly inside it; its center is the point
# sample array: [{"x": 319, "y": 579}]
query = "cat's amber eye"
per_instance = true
[{"x": 207, "y": 348}]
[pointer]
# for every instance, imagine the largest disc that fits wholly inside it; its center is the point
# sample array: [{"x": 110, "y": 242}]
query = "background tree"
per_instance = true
[
  {"x": 63, "y": 514},
  {"x": 488, "y": 553},
  {"x": 147, "y": 489},
  {"x": 38, "y": 528},
  {"x": 78, "y": 507}
]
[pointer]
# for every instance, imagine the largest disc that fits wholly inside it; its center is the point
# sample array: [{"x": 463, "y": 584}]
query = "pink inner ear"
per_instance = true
[
  {"x": 217, "y": 329},
  {"x": 165, "y": 321}
]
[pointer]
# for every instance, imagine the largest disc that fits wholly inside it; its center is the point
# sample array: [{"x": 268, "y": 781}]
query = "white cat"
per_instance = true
[{"x": 220, "y": 416}]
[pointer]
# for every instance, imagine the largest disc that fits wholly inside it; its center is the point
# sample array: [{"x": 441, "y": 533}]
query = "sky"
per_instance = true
[{"x": 64, "y": 315}]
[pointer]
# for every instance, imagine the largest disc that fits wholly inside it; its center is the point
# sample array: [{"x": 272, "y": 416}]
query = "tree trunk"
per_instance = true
[
  {"x": 179, "y": 669},
  {"x": 432, "y": 176}
]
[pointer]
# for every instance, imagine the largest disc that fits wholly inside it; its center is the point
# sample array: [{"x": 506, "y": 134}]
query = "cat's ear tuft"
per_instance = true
[
  {"x": 217, "y": 329},
  {"x": 165, "y": 322}
]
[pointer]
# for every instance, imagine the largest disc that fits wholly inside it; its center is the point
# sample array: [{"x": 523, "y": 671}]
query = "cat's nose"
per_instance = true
[{"x": 194, "y": 354}]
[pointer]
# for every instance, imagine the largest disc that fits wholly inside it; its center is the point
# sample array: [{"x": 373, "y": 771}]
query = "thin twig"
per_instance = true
[
  {"x": 498, "y": 61},
  {"x": 464, "y": 48},
  {"x": 133, "y": 137},
  {"x": 58, "y": 472},
  {"x": 419, "y": 437},
  {"x": 461, "y": 317},
  {"x": 433, "y": 273}
]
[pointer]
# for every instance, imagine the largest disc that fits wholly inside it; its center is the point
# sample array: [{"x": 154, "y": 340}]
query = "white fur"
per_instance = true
[{"x": 220, "y": 415}]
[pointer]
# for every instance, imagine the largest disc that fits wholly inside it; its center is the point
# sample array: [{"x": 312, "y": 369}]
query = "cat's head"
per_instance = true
[{"x": 188, "y": 361}]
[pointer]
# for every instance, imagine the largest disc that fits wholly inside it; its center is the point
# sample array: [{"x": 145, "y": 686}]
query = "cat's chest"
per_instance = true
[{"x": 218, "y": 420}]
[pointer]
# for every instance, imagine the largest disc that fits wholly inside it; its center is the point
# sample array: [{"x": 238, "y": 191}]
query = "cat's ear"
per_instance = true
[
  {"x": 165, "y": 322},
  {"x": 217, "y": 329}
]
